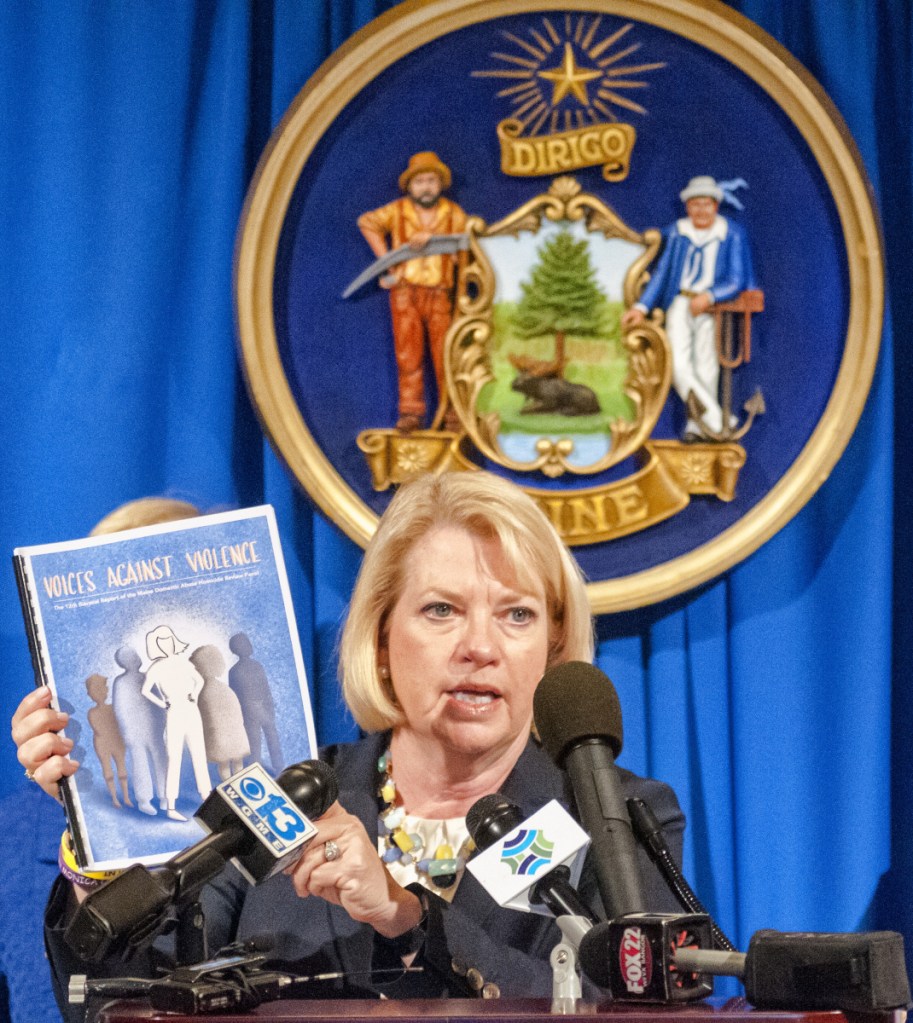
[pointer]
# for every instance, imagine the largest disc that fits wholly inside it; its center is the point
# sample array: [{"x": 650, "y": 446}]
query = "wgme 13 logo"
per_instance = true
[{"x": 257, "y": 797}]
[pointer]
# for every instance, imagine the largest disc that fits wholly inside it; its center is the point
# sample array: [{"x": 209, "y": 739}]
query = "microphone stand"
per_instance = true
[
  {"x": 566, "y": 989},
  {"x": 190, "y": 944}
]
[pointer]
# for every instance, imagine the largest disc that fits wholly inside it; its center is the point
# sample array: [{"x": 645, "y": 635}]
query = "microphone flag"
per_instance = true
[
  {"x": 509, "y": 868},
  {"x": 266, "y": 812}
]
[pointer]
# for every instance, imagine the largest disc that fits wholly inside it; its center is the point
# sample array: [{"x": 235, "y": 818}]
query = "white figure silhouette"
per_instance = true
[{"x": 174, "y": 684}]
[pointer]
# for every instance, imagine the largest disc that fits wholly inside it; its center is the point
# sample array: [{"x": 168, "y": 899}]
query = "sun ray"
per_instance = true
[
  {"x": 622, "y": 102},
  {"x": 524, "y": 45},
  {"x": 511, "y": 59},
  {"x": 616, "y": 83},
  {"x": 531, "y": 105},
  {"x": 518, "y": 91},
  {"x": 634, "y": 69},
  {"x": 542, "y": 41},
  {"x": 502, "y": 74},
  {"x": 614, "y": 58},
  {"x": 537, "y": 124},
  {"x": 588, "y": 38},
  {"x": 578, "y": 34},
  {"x": 603, "y": 109},
  {"x": 550, "y": 28},
  {"x": 600, "y": 48}
]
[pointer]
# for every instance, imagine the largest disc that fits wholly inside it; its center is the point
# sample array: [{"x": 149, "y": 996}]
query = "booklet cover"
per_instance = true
[{"x": 175, "y": 651}]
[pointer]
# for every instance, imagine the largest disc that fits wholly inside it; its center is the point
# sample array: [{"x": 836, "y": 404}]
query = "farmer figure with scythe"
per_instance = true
[{"x": 415, "y": 239}]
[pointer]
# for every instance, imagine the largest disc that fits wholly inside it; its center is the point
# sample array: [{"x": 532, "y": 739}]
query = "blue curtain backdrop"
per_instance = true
[{"x": 776, "y": 700}]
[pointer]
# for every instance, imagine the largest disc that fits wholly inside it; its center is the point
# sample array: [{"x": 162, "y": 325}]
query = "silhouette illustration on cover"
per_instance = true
[
  {"x": 248, "y": 681},
  {"x": 107, "y": 739},
  {"x": 173, "y": 684},
  {"x": 418, "y": 268},
  {"x": 142, "y": 725},
  {"x": 705, "y": 261},
  {"x": 223, "y": 721}
]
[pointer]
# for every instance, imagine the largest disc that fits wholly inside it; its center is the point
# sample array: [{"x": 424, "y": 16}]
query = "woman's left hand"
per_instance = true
[{"x": 356, "y": 879}]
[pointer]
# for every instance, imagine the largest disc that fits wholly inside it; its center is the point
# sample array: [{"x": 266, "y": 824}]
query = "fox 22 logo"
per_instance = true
[{"x": 262, "y": 798}]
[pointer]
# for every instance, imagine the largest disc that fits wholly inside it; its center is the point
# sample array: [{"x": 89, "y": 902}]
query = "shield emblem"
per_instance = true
[{"x": 539, "y": 369}]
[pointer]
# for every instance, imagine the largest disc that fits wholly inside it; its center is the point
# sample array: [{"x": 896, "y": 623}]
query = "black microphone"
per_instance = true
[
  {"x": 250, "y": 821},
  {"x": 492, "y": 818},
  {"x": 636, "y": 960},
  {"x": 578, "y": 717}
]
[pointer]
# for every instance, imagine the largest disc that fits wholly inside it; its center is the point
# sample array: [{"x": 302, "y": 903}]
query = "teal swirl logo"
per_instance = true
[{"x": 527, "y": 852}]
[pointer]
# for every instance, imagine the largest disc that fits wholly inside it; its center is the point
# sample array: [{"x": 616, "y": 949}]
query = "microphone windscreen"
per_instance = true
[
  {"x": 491, "y": 818},
  {"x": 311, "y": 786},
  {"x": 573, "y": 702},
  {"x": 595, "y": 958}
]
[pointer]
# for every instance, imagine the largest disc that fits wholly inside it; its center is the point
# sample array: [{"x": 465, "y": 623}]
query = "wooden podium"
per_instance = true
[{"x": 508, "y": 1010}]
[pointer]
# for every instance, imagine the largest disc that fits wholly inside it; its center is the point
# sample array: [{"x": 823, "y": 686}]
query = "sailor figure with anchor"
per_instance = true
[{"x": 705, "y": 262}]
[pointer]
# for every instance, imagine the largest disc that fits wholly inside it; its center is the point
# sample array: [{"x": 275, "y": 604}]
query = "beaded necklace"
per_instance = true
[{"x": 441, "y": 868}]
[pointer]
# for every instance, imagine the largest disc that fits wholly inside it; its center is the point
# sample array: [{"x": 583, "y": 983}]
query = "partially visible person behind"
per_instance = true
[
  {"x": 465, "y": 597},
  {"x": 31, "y": 841}
]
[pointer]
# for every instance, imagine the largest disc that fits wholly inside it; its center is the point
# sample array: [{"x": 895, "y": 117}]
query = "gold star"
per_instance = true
[{"x": 569, "y": 78}]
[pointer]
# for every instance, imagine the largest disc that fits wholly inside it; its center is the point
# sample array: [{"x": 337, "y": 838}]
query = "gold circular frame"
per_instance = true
[{"x": 718, "y": 29}]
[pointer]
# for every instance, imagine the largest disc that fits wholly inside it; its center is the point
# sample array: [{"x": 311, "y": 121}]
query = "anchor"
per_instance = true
[{"x": 733, "y": 348}]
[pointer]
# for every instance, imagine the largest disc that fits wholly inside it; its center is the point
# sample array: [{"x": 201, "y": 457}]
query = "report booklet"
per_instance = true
[{"x": 175, "y": 651}]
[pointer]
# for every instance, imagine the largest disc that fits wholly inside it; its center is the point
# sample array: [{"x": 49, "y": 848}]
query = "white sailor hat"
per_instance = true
[{"x": 701, "y": 186}]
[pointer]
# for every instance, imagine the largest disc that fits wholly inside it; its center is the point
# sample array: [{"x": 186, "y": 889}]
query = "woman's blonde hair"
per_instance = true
[
  {"x": 144, "y": 511},
  {"x": 484, "y": 505}
]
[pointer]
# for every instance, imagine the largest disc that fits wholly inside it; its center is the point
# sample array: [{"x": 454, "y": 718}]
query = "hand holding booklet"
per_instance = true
[{"x": 175, "y": 651}]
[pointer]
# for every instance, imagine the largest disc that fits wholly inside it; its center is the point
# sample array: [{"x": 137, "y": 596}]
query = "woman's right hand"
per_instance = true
[{"x": 40, "y": 748}]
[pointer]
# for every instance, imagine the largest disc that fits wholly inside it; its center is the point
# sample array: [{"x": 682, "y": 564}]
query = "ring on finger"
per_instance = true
[
  {"x": 331, "y": 850},
  {"x": 30, "y": 775}
]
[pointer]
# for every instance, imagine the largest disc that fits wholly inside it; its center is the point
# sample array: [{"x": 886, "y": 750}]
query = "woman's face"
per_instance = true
[{"x": 465, "y": 644}]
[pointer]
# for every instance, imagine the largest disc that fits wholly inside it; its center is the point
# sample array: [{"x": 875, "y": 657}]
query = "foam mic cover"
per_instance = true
[
  {"x": 573, "y": 702},
  {"x": 854, "y": 972},
  {"x": 578, "y": 717}
]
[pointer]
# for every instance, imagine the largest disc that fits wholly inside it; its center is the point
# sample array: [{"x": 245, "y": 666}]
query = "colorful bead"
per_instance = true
[
  {"x": 440, "y": 867},
  {"x": 394, "y": 818},
  {"x": 403, "y": 841},
  {"x": 444, "y": 852}
]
